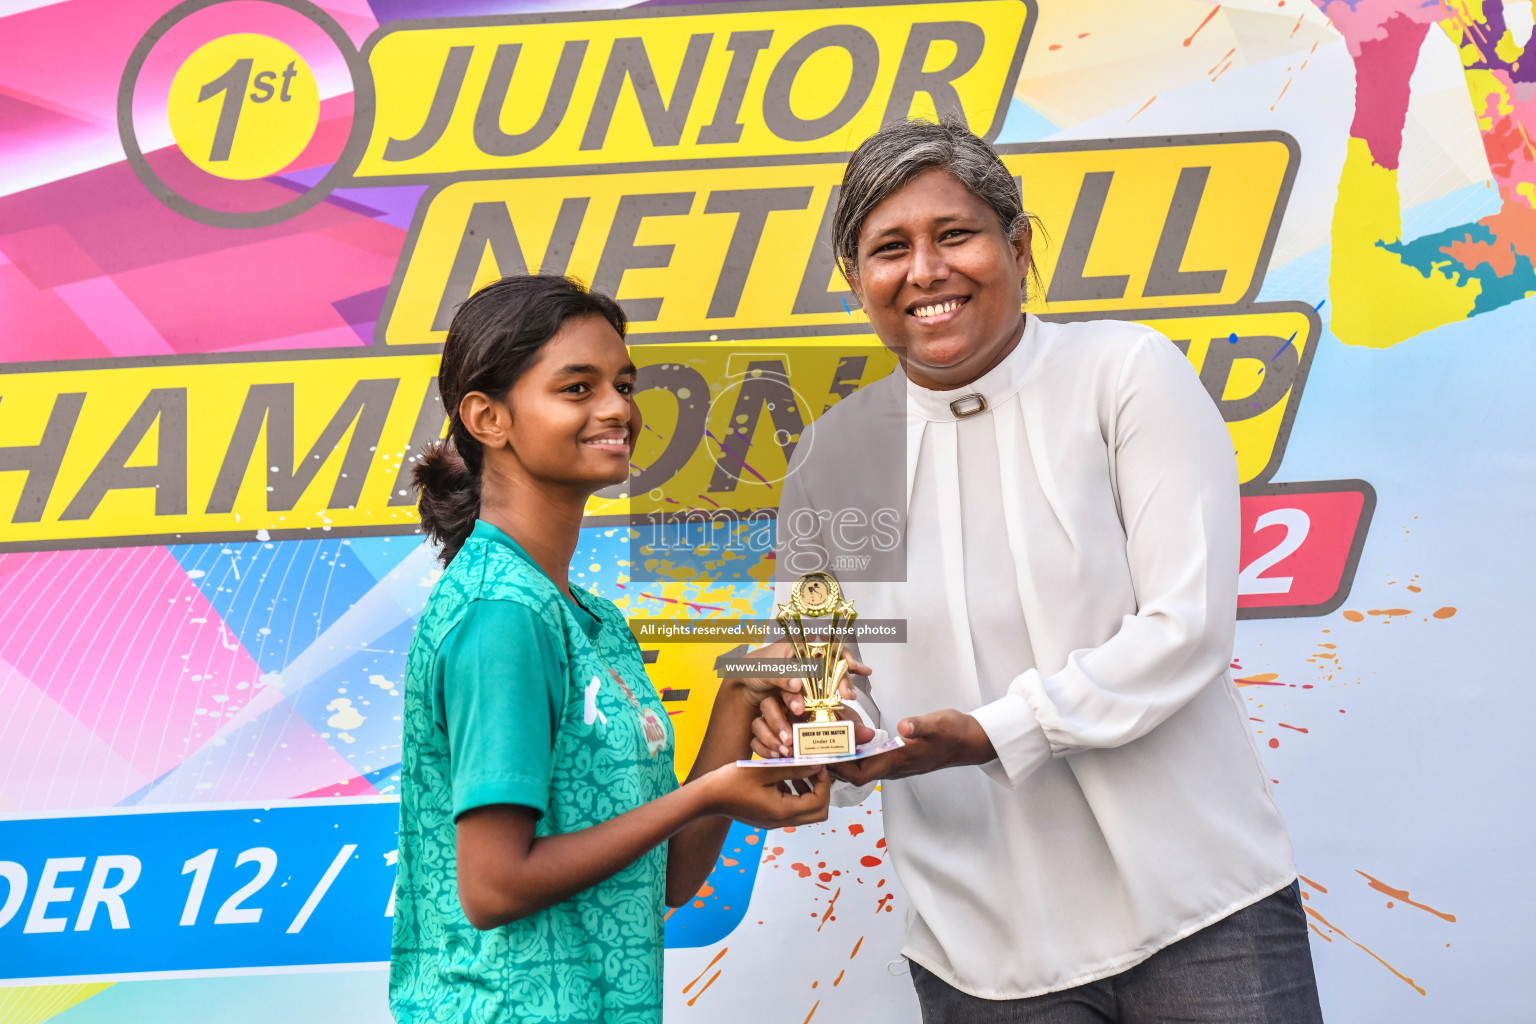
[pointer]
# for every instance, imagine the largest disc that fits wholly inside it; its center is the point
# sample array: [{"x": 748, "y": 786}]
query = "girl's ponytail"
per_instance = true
[{"x": 449, "y": 499}]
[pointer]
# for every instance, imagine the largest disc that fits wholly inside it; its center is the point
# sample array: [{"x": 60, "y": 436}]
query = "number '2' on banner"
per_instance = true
[{"x": 1301, "y": 545}]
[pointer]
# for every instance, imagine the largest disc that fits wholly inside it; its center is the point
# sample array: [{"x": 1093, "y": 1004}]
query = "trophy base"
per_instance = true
[{"x": 823, "y": 739}]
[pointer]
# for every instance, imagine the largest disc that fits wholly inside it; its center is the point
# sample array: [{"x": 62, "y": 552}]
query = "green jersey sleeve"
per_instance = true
[{"x": 499, "y": 688}]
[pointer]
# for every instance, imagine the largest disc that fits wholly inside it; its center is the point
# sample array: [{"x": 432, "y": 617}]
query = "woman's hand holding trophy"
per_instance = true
[{"x": 805, "y": 716}]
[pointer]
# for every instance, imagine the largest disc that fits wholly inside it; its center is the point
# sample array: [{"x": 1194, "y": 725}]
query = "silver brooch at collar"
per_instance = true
[{"x": 969, "y": 405}]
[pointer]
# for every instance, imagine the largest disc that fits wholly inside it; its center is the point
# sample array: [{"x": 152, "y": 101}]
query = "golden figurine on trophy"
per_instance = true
[{"x": 816, "y": 596}]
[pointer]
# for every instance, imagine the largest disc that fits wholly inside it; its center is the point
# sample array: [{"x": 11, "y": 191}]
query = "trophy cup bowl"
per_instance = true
[{"x": 817, "y": 597}]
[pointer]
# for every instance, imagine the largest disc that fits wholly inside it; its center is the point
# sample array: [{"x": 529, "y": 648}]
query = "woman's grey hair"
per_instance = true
[{"x": 889, "y": 159}]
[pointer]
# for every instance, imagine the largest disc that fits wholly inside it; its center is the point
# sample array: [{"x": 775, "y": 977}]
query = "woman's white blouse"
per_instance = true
[{"x": 1072, "y": 561}]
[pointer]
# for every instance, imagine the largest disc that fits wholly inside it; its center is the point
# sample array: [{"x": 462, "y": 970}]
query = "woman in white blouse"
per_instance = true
[{"x": 1079, "y": 817}]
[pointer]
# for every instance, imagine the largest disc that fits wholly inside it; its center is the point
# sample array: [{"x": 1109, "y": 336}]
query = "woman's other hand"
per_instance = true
[{"x": 939, "y": 739}]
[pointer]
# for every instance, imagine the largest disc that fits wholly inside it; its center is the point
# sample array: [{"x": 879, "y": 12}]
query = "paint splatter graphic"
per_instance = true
[
  {"x": 1463, "y": 271},
  {"x": 1328, "y": 929}
]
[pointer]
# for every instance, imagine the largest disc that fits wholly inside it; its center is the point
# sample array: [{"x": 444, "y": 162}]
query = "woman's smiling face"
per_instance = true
[{"x": 941, "y": 283}]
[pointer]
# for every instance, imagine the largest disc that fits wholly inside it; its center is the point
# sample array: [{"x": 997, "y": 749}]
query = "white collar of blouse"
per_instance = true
[{"x": 995, "y": 386}]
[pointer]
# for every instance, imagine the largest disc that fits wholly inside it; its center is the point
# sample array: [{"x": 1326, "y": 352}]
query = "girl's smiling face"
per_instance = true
[
  {"x": 571, "y": 419},
  {"x": 941, "y": 283}
]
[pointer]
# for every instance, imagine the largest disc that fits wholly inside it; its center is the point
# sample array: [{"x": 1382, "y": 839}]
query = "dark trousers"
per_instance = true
[{"x": 1252, "y": 967}]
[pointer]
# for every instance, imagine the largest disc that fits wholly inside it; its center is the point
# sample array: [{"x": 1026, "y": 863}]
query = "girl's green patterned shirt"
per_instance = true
[{"x": 516, "y": 694}]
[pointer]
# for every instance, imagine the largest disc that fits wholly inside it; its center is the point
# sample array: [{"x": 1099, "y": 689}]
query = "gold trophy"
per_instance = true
[{"x": 816, "y": 596}]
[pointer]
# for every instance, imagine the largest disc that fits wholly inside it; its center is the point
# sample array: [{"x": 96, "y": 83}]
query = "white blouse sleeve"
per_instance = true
[{"x": 1176, "y": 476}]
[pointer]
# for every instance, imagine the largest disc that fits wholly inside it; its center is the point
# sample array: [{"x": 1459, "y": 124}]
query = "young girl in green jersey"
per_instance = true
[{"x": 542, "y": 830}]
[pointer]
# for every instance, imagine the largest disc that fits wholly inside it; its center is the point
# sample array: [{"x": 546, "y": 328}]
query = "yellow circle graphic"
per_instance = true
[{"x": 243, "y": 106}]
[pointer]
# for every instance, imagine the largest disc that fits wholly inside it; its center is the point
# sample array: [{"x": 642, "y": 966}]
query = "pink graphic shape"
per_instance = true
[
  {"x": 270, "y": 289},
  {"x": 358, "y": 786},
  {"x": 274, "y": 756},
  {"x": 126, "y": 644},
  {"x": 1383, "y": 69},
  {"x": 31, "y": 315},
  {"x": 101, "y": 305},
  {"x": 47, "y": 254},
  {"x": 49, "y": 760},
  {"x": 198, "y": 288}
]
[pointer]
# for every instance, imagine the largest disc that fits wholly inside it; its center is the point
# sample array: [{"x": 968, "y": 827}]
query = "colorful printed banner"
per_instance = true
[{"x": 232, "y": 233}]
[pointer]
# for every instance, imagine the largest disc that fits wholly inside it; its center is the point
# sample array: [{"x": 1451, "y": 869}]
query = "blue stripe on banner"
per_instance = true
[
  {"x": 719, "y": 907},
  {"x": 293, "y": 884}
]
